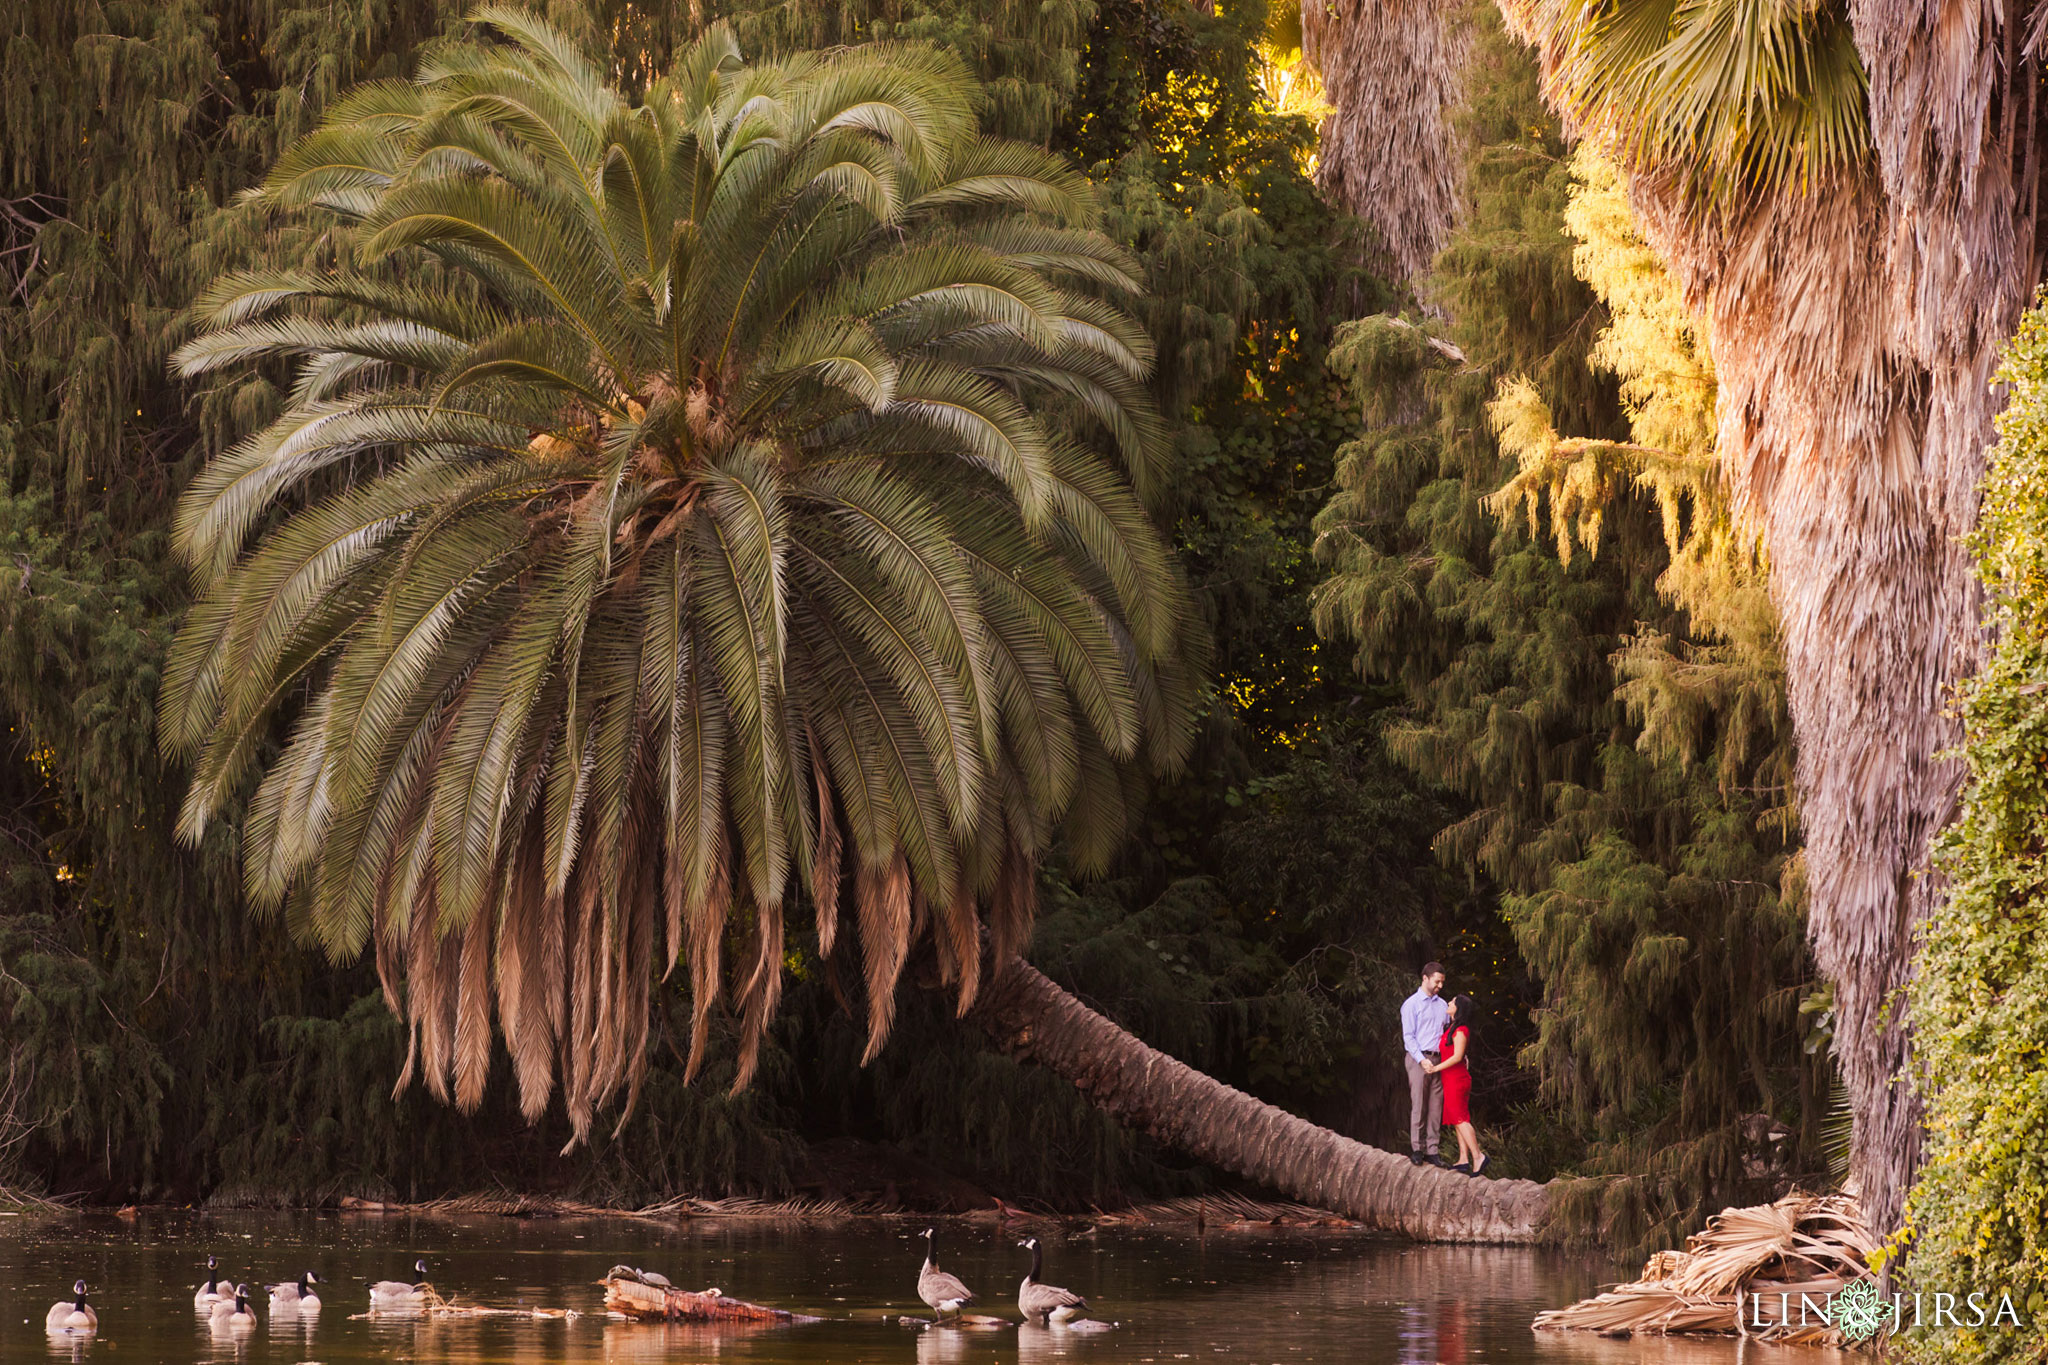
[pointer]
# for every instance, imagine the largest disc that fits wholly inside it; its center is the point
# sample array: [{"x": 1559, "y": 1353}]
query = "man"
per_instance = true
[{"x": 1422, "y": 1029}]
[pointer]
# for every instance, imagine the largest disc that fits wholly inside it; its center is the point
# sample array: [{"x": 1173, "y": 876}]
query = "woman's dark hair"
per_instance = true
[{"x": 1468, "y": 1014}]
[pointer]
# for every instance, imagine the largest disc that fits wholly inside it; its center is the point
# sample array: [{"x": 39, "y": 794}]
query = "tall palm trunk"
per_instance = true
[
  {"x": 1854, "y": 326},
  {"x": 1031, "y": 1017},
  {"x": 1393, "y": 72}
]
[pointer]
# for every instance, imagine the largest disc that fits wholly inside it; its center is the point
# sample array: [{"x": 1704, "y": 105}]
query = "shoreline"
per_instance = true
[{"x": 1206, "y": 1213}]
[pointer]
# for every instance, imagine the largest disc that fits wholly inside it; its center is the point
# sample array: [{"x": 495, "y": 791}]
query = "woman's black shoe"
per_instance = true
[
  {"x": 1461, "y": 1169},
  {"x": 1479, "y": 1167}
]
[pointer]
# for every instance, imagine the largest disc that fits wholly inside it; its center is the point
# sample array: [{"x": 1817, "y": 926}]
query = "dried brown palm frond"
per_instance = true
[
  {"x": 1803, "y": 1244},
  {"x": 1392, "y": 71}
]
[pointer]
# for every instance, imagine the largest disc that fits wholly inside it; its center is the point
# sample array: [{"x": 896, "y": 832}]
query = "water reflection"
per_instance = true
[
  {"x": 651, "y": 1341},
  {"x": 941, "y": 1346},
  {"x": 1039, "y": 1344},
  {"x": 1238, "y": 1297},
  {"x": 68, "y": 1345}
]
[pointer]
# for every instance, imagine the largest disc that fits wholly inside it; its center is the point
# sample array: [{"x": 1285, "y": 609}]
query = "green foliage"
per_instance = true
[
  {"x": 1603, "y": 690},
  {"x": 131, "y": 131},
  {"x": 678, "y": 503},
  {"x": 1741, "y": 98},
  {"x": 1973, "y": 1219}
]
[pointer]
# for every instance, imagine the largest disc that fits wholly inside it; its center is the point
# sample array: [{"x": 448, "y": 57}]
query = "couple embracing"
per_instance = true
[{"x": 1438, "y": 1037}]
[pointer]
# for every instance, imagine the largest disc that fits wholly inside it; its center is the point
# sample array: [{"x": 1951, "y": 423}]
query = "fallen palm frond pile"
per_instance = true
[
  {"x": 741, "y": 1206},
  {"x": 1730, "y": 1278},
  {"x": 548, "y": 1206},
  {"x": 21, "y": 1201},
  {"x": 647, "y": 1297},
  {"x": 437, "y": 1307}
]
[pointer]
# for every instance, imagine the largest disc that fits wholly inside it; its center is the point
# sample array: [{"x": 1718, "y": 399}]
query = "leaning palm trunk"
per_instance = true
[
  {"x": 1031, "y": 1017},
  {"x": 1392, "y": 71},
  {"x": 1854, "y": 323}
]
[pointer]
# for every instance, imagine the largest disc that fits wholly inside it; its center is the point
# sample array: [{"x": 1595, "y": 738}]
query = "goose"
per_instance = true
[
  {"x": 208, "y": 1294},
  {"x": 1043, "y": 1303},
  {"x": 942, "y": 1292},
  {"x": 295, "y": 1296},
  {"x": 73, "y": 1314},
  {"x": 397, "y": 1294},
  {"x": 234, "y": 1315}
]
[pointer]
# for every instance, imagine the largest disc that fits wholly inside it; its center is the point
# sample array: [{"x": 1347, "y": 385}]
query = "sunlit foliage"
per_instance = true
[
  {"x": 1973, "y": 1219},
  {"x": 1587, "y": 653}
]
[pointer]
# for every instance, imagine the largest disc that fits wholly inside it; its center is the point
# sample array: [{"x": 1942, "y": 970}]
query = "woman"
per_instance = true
[{"x": 1457, "y": 1080}]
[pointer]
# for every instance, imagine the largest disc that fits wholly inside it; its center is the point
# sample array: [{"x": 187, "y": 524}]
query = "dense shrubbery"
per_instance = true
[
  {"x": 1267, "y": 915},
  {"x": 1975, "y": 1219},
  {"x": 254, "y": 1068},
  {"x": 1529, "y": 540}
]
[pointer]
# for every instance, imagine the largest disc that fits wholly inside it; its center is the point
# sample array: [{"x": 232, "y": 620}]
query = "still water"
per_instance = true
[{"x": 1275, "y": 1296}]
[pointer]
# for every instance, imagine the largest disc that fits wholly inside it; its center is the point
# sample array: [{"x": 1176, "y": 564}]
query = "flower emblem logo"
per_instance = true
[{"x": 1858, "y": 1311}]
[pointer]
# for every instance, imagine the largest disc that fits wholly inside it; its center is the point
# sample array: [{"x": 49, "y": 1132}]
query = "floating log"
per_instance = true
[
  {"x": 648, "y": 1298},
  {"x": 1728, "y": 1280}
]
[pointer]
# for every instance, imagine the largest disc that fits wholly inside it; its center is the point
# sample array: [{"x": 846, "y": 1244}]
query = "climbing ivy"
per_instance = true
[{"x": 1974, "y": 1218}]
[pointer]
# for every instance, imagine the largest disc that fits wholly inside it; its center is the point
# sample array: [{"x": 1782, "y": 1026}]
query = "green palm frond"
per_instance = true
[
  {"x": 1740, "y": 96},
  {"x": 682, "y": 511}
]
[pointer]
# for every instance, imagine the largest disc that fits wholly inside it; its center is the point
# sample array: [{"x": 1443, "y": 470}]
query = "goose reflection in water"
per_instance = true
[
  {"x": 944, "y": 1345},
  {"x": 670, "y": 1341},
  {"x": 1043, "y": 1345},
  {"x": 72, "y": 1348}
]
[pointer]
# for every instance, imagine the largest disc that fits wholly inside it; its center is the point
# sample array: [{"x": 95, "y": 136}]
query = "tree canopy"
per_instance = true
[{"x": 679, "y": 501}]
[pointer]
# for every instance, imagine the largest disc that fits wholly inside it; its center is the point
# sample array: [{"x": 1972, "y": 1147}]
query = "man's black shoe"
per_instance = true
[
  {"x": 1414, "y": 1157},
  {"x": 1439, "y": 1159}
]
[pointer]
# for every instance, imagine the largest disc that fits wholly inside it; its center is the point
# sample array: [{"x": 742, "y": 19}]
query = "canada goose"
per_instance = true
[
  {"x": 1042, "y": 1303},
  {"x": 235, "y": 1315},
  {"x": 73, "y": 1314},
  {"x": 208, "y": 1294},
  {"x": 944, "y": 1293},
  {"x": 295, "y": 1296},
  {"x": 388, "y": 1294}
]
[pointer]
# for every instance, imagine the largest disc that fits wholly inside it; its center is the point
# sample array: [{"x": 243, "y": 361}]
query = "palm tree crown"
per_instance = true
[{"x": 677, "y": 503}]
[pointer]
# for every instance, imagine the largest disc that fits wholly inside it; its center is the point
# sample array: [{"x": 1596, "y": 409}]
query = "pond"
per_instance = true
[{"x": 1266, "y": 1296}]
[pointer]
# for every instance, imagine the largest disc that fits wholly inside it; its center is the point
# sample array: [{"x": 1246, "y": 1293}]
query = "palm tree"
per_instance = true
[
  {"x": 1848, "y": 195},
  {"x": 677, "y": 504},
  {"x": 682, "y": 511},
  {"x": 1393, "y": 72}
]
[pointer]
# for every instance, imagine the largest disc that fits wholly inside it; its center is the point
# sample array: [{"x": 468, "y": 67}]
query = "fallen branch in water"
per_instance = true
[
  {"x": 438, "y": 1307},
  {"x": 649, "y": 1298}
]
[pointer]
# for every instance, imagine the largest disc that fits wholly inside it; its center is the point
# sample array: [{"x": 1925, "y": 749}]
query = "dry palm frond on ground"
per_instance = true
[{"x": 1804, "y": 1244}]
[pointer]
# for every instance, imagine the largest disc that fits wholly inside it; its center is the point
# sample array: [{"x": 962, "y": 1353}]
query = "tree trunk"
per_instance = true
[
  {"x": 1854, "y": 328},
  {"x": 1029, "y": 1016},
  {"x": 1393, "y": 72}
]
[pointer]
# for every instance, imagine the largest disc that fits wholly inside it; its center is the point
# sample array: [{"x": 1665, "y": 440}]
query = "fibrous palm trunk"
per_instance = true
[
  {"x": 1029, "y": 1016},
  {"x": 1855, "y": 325},
  {"x": 1393, "y": 72}
]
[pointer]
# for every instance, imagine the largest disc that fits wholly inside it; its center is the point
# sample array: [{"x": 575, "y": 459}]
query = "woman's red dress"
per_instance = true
[{"x": 1457, "y": 1079}]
